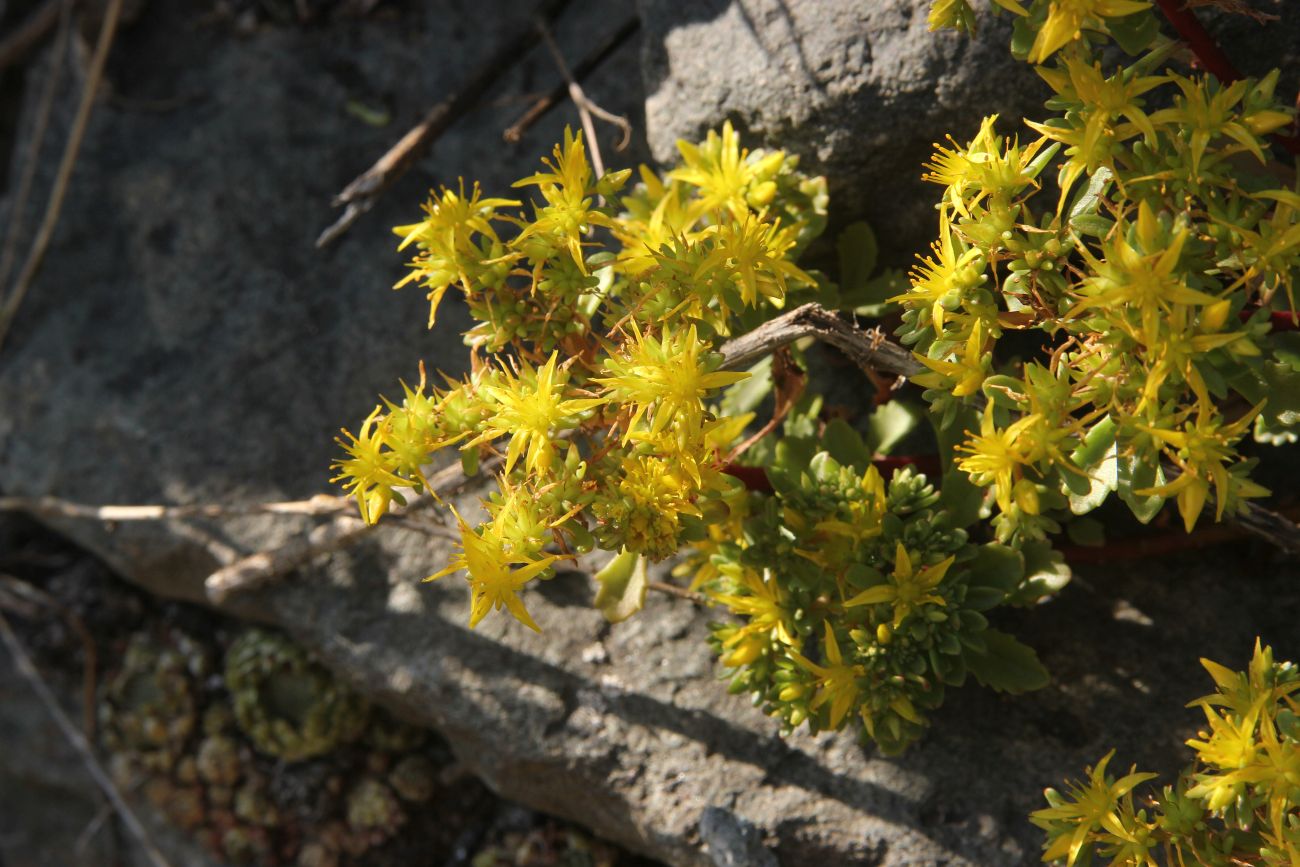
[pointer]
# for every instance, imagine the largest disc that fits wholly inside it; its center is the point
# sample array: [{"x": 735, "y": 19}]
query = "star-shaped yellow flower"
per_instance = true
[
  {"x": 529, "y": 407},
  {"x": 493, "y": 583},
  {"x": 908, "y": 590}
]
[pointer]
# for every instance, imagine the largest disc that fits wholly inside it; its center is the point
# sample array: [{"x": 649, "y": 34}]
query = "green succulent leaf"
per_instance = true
[
  {"x": 622, "y": 586},
  {"x": 1006, "y": 664}
]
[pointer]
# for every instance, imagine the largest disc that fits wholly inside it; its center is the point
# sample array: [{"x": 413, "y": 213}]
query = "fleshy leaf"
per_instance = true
[{"x": 1006, "y": 664}]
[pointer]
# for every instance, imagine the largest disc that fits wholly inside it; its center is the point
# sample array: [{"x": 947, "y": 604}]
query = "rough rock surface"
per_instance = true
[
  {"x": 862, "y": 90},
  {"x": 859, "y": 90},
  {"x": 184, "y": 343}
]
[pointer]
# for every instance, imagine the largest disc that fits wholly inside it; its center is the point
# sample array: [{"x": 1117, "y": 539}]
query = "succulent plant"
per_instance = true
[
  {"x": 288, "y": 705},
  {"x": 373, "y": 811},
  {"x": 148, "y": 708},
  {"x": 223, "y": 758},
  {"x": 414, "y": 778}
]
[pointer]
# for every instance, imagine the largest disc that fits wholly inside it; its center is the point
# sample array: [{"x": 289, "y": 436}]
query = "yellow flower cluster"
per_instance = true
[
  {"x": 1239, "y": 803},
  {"x": 1142, "y": 297},
  {"x": 593, "y": 356}
]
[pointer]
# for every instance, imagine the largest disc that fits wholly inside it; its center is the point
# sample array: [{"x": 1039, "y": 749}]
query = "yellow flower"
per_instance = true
[
  {"x": 1206, "y": 112},
  {"x": 988, "y": 166},
  {"x": 761, "y": 598},
  {"x": 1092, "y": 809},
  {"x": 837, "y": 681},
  {"x": 569, "y": 191},
  {"x": 753, "y": 252},
  {"x": 968, "y": 370},
  {"x": 1065, "y": 18},
  {"x": 488, "y": 559},
  {"x": 657, "y": 213},
  {"x": 907, "y": 590},
  {"x": 1144, "y": 282},
  {"x": 1102, "y": 100},
  {"x": 529, "y": 407},
  {"x": 724, "y": 173},
  {"x": 995, "y": 457},
  {"x": 449, "y": 252},
  {"x": 933, "y": 278},
  {"x": 1203, "y": 450},
  {"x": 664, "y": 379},
  {"x": 368, "y": 472},
  {"x": 956, "y": 14}
]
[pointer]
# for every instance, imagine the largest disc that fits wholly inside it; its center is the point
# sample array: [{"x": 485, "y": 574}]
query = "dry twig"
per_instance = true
[
  {"x": 360, "y": 195},
  {"x": 869, "y": 350},
  {"x": 46, "y": 231},
  {"x": 23, "y": 662},
  {"x": 679, "y": 592},
  {"x": 266, "y": 566},
  {"x": 587, "y": 109},
  {"x": 583, "y": 68},
  {"x": 53, "y": 507}
]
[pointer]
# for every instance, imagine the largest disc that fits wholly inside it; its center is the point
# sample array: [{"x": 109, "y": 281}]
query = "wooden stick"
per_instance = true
[
  {"x": 52, "y": 209},
  {"x": 360, "y": 195},
  {"x": 679, "y": 592},
  {"x": 265, "y": 566},
  {"x": 870, "y": 350},
  {"x": 587, "y": 108},
  {"x": 583, "y": 68},
  {"x": 53, "y": 507},
  {"x": 23, "y": 663}
]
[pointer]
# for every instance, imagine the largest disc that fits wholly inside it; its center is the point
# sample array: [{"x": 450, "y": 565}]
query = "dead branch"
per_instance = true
[
  {"x": 583, "y": 68},
  {"x": 53, "y": 507},
  {"x": 23, "y": 662},
  {"x": 345, "y": 529},
  {"x": 587, "y": 108},
  {"x": 679, "y": 592},
  {"x": 360, "y": 195},
  {"x": 41, "y": 242},
  {"x": 869, "y": 350}
]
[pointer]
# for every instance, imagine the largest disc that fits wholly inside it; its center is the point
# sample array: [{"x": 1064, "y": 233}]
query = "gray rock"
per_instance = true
[
  {"x": 185, "y": 343},
  {"x": 733, "y": 842},
  {"x": 859, "y": 90}
]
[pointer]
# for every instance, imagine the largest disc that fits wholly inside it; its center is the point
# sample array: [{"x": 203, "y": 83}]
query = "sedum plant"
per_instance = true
[
  {"x": 592, "y": 358},
  {"x": 1107, "y": 292},
  {"x": 1238, "y": 803},
  {"x": 1100, "y": 314},
  {"x": 597, "y": 388},
  {"x": 860, "y": 600}
]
